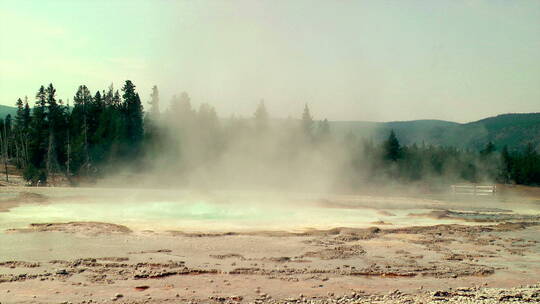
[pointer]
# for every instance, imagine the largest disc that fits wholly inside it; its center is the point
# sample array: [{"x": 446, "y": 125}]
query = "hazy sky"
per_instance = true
[{"x": 349, "y": 60}]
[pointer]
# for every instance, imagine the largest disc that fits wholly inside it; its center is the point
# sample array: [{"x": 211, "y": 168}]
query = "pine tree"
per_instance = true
[
  {"x": 151, "y": 119},
  {"x": 111, "y": 128},
  {"x": 307, "y": 122},
  {"x": 18, "y": 131},
  {"x": 133, "y": 119},
  {"x": 94, "y": 110},
  {"x": 38, "y": 140},
  {"x": 392, "y": 148},
  {"x": 53, "y": 109},
  {"x": 180, "y": 111},
  {"x": 488, "y": 149},
  {"x": 506, "y": 165},
  {"x": 57, "y": 125},
  {"x": 154, "y": 103},
  {"x": 80, "y": 130},
  {"x": 26, "y": 114},
  {"x": 68, "y": 141},
  {"x": 323, "y": 133},
  {"x": 261, "y": 117},
  {"x": 19, "y": 117}
]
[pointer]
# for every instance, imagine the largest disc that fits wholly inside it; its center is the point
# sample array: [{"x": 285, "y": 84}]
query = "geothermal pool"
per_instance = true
[
  {"x": 84, "y": 262},
  {"x": 193, "y": 215},
  {"x": 162, "y": 210}
]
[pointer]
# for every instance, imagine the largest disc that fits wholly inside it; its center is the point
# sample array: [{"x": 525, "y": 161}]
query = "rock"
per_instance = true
[
  {"x": 441, "y": 294},
  {"x": 62, "y": 271},
  {"x": 237, "y": 298}
]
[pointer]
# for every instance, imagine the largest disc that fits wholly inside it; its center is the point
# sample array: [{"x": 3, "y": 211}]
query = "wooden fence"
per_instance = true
[{"x": 474, "y": 189}]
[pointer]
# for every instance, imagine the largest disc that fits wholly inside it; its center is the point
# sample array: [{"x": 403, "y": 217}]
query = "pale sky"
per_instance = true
[{"x": 349, "y": 60}]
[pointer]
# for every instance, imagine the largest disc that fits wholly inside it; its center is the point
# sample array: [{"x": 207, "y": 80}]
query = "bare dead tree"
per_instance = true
[{"x": 4, "y": 142}]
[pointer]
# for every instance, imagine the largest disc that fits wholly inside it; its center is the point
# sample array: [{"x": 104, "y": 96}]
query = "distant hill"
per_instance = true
[
  {"x": 409, "y": 132},
  {"x": 5, "y": 110},
  {"x": 514, "y": 130}
]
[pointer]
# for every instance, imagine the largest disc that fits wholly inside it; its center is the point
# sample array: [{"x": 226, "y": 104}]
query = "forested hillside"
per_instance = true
[
  {"x": 7, "y": 110},
  {"x": 513, "y": 130}
]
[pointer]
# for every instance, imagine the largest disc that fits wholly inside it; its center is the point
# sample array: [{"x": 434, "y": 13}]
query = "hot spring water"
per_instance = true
[{"x": 161, "y": 210}]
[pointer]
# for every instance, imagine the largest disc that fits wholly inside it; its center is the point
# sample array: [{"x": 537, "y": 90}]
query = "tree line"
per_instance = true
[
  {"x": 52, "y": 141},
  {"x": 449, "y": 164}
]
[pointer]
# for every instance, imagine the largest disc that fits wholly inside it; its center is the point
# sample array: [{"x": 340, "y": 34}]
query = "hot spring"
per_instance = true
[{"x": 162, "y": 210}]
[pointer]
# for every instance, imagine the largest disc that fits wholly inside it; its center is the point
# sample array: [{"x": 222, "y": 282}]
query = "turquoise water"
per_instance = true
[
  {"x": 189, "y": 214},
  {"x": 161, "y": 210}
]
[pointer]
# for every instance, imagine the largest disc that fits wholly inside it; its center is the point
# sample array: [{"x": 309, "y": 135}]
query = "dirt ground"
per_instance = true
[{"x": 94, "y": 262}]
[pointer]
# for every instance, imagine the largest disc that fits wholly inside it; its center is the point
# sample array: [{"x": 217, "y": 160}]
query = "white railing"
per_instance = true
[{"x": 474, "y": 189}]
